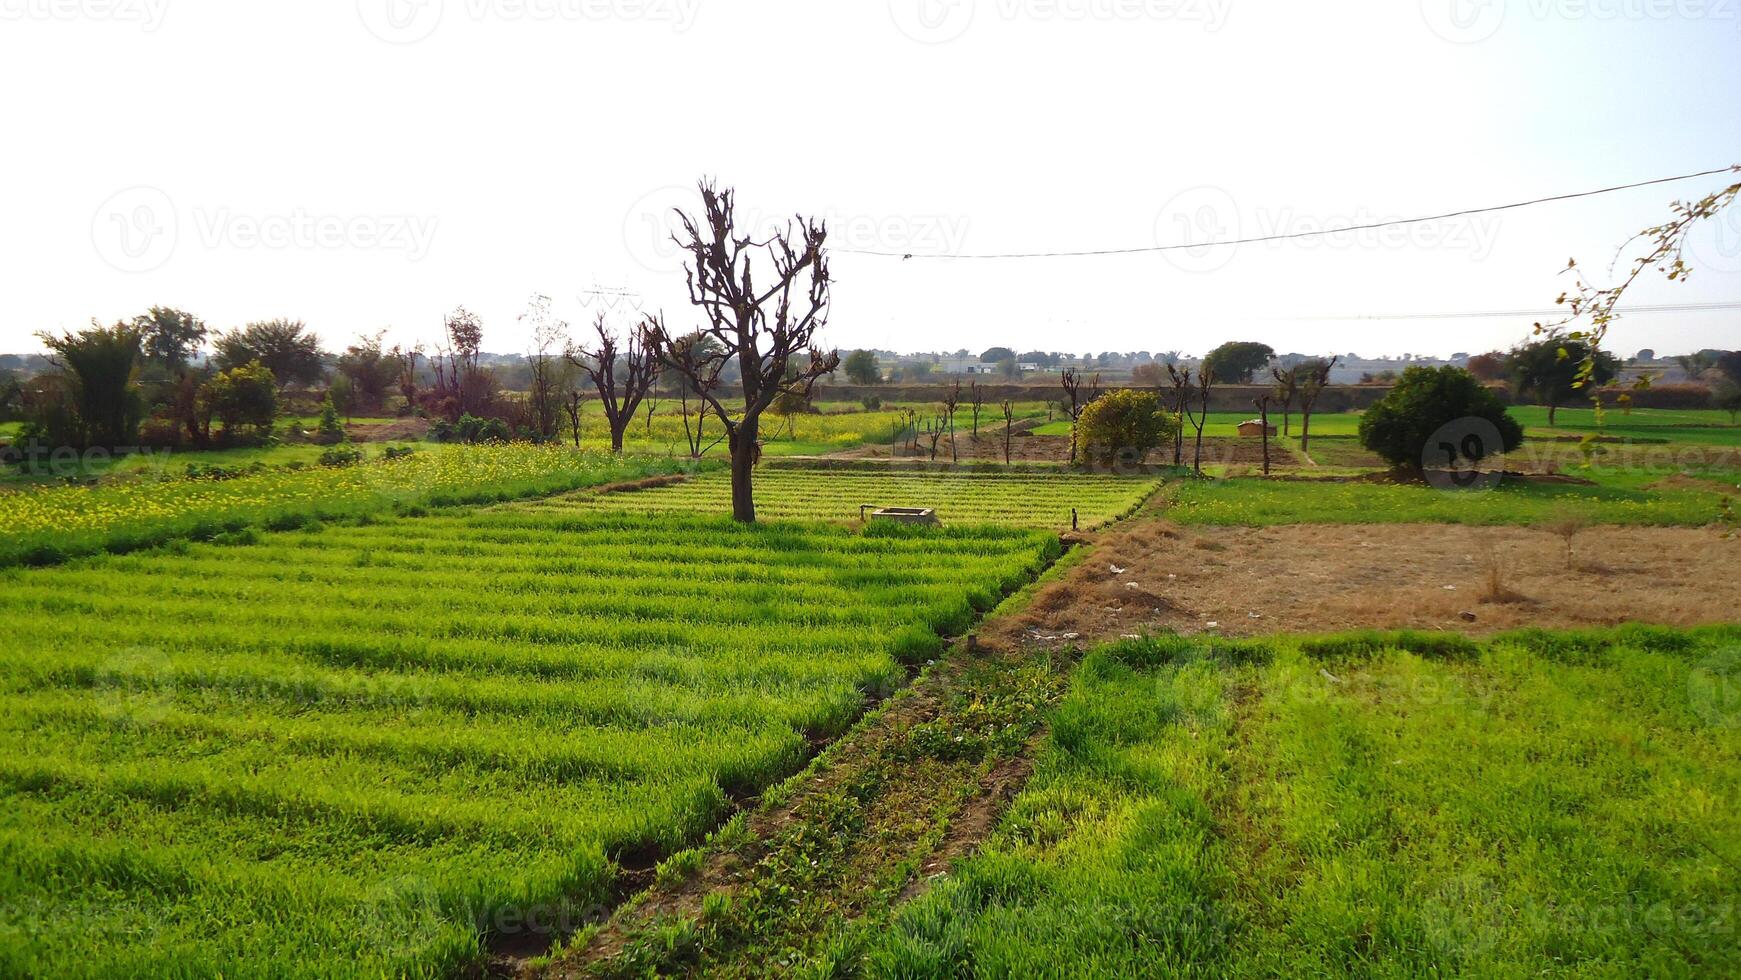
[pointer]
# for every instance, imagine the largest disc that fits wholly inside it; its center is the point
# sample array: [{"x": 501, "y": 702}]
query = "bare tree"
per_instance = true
[
  {"x": 621, "y": 370},
  {"x": 1286, "y": 390},
  {"x": 1072, "y": 384},
  {"x": 1184, "y": 385},
  {"x": 1180, "y": 405},
  {"x": 572, "y": 407},
  {"x": 406, "y": 360},
  {"x": 548, "y": 375},
  {"x": 1262, "y": 402},
  {"x": 764, "y": 330},
  {"x": 1314, "y": 378},
  {"x": 976, "y": 398},
  {"x": 1009, "y": 414},
  {"x": 951, "y": 399}
]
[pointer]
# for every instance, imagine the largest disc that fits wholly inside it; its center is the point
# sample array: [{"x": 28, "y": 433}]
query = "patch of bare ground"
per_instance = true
[
  {"x": 1151, "y": 575},
  {"x": 399, "y": 431},
  {"x": 644, "y": 483}
]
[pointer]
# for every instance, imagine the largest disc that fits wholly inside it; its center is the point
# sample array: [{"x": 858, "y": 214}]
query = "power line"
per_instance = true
[
  {"x": 1534, "y": 314},
  {"x": 1292, "y": 235}
]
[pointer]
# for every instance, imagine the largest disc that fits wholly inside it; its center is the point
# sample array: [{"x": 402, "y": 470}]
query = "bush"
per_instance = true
[
  {"x": 1121, "y": 427},
  {"x": 341, "y": 456},
  {"x": 397, "y": 452},
  {"x": 246, "y": 395},
  {"x": 330, "y": 431},
  {"x": 872, "y": 404},
  {"x": 470, "y": 429},
  {"x": 1422, "y": 408}
]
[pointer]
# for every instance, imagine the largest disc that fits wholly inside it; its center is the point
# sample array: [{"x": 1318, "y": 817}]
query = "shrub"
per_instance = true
[
  {"x": 1121, "y": 427},
  {"x": 1424, "y": 402},
  {"x": 470, "y": 429},
  {"x": 330, "y": 431},
  {"x": 246, "y": 395},
  {"x": 397, "y": 452},
  {"x": 872, "y": 404},
  {"x": 341, "y": 456}
]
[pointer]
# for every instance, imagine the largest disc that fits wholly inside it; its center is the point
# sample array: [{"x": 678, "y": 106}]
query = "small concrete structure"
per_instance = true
[
  {"x": 1254, "y": 427},
  {"x": 906, "y": 515}
]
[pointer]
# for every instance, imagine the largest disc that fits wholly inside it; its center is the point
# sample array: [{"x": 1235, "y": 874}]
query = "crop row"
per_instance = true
[
  {"x": 1014, "y": 499},
  {"x": 43, "y": 525},
  {"x": 356, "y": 750}
]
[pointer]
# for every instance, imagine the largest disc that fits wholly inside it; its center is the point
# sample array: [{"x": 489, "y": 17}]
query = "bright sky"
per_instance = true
[{"x": 368, "y": 164}]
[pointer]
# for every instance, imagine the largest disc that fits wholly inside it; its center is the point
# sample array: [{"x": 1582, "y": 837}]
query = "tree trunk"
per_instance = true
[
  {"x": 1551, "y": 408},
  {"x": 1305, "y": 431},
  {"x": 1197, "y": 459},
  {"x": 1287, "y": 415},
  {"x": 743, "y": 467}
]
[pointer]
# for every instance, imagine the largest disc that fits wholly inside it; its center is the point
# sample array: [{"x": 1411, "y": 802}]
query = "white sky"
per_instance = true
[{"x": 490, "y": 149}]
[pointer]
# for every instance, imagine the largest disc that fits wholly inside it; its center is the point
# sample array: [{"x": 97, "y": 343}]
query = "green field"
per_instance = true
[
  {"x": 1564, "y": 805},
  {"x": 42, "y": 525},
  {"x": 1013, "y": 499},
  {"x": 1258, "y": 502},
  {"x": 351, "y": 751}
]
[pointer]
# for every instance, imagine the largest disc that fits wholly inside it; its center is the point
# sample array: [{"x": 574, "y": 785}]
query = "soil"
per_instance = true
[
  {"x": 1325, "y": 578},
  {"x": 402, "y": 430}
]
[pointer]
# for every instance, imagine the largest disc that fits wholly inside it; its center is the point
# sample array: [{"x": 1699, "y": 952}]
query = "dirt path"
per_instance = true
[{"x": 828, "y": 855}]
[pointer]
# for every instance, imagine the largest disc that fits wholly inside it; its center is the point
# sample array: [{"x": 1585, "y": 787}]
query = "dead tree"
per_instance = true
[
  {"x": 546, "y": 373},
  {"x": 976, "y": 398},
  {"x": 1313, "y": 381},
  {"x": 621, "y": 370},
  {"x": 951, "y": 399},
  {"x": 1287, "y": 389},
  {"x": 1072, "y": 383},
  {"x": 765, "y": 330},
  {"x": 572, "y": 407},
  {"x": 1263, "y": 420},
  {"x": 1180, "y": 403},
  {"x": 1184, "y": 385},
  {"x": 1009, "y": 414}
]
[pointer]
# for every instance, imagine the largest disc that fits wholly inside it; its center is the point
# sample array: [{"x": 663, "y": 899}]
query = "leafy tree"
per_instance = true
[
  {"x": 1729, "y": 362},
  {"x": 242, "y": 396},
  {"x": 1488, "y": 367},
  {"x": 1236, "y": 361},
  {"x": 995, "y": 354},
  {"x": 372, "y": 371},
  {"x": 1122, "y": 426},
  {"x": 1422, "y": 402},
  {"x": 285, "y": 347},
  {"x": 171, "y": 336},
  {"x": 862, "y": 369},
  {"x": 99, "y": 368},
  {"x": 1726, "y": 396},
  {"x": 1552, "y": 369}
]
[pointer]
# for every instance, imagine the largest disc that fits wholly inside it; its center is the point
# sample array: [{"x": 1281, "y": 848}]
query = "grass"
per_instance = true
[
  {"x": 45, "y": 525},
  {"x": 1365, "y": 806},
  {"x": 365, "y": 750},
  {"x": 1016, "y": 499},
  {"x": 1257, "y": 502}
]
